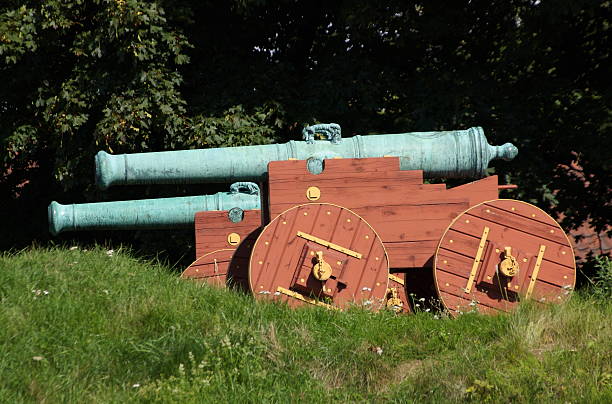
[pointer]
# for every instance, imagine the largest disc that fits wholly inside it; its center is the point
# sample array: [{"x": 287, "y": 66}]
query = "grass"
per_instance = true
[{"x": 86, "y": 326}]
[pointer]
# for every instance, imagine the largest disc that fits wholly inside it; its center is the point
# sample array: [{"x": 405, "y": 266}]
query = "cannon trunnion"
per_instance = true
[{"x": 349, "y": 222}]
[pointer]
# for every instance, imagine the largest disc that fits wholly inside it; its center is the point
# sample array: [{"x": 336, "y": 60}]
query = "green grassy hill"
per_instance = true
[{"x": 91, "y": 326}]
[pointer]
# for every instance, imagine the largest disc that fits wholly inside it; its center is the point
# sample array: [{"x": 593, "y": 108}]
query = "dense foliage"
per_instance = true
[{"x": 133, "y": 75}]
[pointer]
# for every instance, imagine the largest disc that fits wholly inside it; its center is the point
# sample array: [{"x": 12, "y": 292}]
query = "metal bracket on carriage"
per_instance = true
[
  {"x": 317, "y": 275},
  {"x": 509, "y": 266},
  {"x": 499, "y": 271},
  {"x": 394, "y": 303}
]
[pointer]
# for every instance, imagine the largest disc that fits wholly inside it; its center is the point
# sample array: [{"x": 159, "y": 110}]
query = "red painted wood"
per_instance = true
[
  {"x": 213, "y": 227},
  {"x": 515, "y": 224},
  {"x": 485, "y": 189},
  {"x": 411, "y": 254},
  {"x": 211, "y": 233},
  {"x": 337, "y": 170},
  {"x": 379, "y": 193},
  {"x": 281, "y": 258},
  {"x": 211, "y": 268},
  {"x": 401, "y": 290},
  {"x": 224, "y": 267},
  {"x": 408, "y": 215}
]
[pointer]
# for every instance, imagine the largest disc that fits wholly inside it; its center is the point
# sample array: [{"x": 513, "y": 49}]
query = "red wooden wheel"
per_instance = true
[
  {"x": 500, "y": 251},
  {"x": 321, "y": 254},
  {"x": 212, "y": 267}
]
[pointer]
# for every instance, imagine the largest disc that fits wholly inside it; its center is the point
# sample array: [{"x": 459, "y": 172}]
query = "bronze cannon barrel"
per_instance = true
[
  {"x": 162, "y": 213},
  {"x": 449, "y": 154}
]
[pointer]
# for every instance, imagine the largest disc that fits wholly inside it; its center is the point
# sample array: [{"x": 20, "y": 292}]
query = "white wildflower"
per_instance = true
[
  {"x": 73, "y": 248},
  {"x": 40, "y": 292},
  {"x": 136, "y": 385},
  {"x": 379, "y": 350},
  {"x": 422, "y": 299},
  {"x": 38, "y": 358},
  {"x": 110, "y": 252}
]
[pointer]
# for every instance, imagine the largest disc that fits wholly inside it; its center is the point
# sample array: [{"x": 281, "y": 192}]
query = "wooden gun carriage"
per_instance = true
[{"x": 333, "y": 228}]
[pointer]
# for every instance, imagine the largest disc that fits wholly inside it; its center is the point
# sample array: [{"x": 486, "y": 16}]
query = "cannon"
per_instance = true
[
  {"x": 348, "y": 221},
  {"x": 448, "y": 154},
  {"x": 161, "y": 213}
]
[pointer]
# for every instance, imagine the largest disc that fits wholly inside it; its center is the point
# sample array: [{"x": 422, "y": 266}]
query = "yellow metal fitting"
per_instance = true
[
  {"x": 313, "y": 193},
  {"x": 393, "y": 301},
  {"x": 233, "y": 239},
  {"x": 509, "y": 265},
  {"x": 329, "y": 244},
  {"x": 321, "y": 270}
]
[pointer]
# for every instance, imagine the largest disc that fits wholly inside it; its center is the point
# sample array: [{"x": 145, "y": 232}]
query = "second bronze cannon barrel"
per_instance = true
[
  {"x": 162, "y": 213},
  {"x": 449, "y": 154}
]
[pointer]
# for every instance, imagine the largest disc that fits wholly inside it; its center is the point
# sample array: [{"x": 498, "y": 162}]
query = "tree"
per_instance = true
[
  {"x": 131, "y": 75},
  {"x": 79, "y": 76}
]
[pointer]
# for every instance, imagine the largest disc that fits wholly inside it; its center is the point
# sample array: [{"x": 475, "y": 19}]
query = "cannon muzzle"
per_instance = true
[
  {"x": 449, "y": 154},
  {"x": 163, "y": 213}
]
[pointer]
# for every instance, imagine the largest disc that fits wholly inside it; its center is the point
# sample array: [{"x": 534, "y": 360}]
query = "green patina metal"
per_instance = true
[
  {"x": 163, "y": 213},
  {"x": 449, "y": 154}
]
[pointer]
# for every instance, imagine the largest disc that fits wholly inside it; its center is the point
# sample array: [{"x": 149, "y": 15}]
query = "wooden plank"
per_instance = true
[
  {"x": 433, "y": 209},
  {"x": 217, "y": 219},
  {"x": 384, "y": 167},
  {"x": 508, "y": 236},
  {"x": 477, "y": 191},
  {"x": 411, "y": 254},
  {"x": 547, "y": 231},
  {"x": 213, "y": 227},
  {"x": 406, "y": 230},
  {"x": 490, "y": 296},
  {"x": 381, "y": 196},
  {"x": 527, "y": 211},
  {"x": 457, "y": 305}
]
